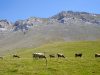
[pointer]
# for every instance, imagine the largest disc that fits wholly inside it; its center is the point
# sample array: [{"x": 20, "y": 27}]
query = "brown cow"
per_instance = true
[
  {"x": 16, "y": 56},
  {"x": 60, "y": 55},
  {"x": 52, "y": 56},
  {"x": 1, "y": 57},
  {"x": 97, "y": 55}
]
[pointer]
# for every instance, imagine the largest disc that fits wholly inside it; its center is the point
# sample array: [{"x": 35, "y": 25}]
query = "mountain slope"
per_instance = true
[{"x": 65, "y": 26}]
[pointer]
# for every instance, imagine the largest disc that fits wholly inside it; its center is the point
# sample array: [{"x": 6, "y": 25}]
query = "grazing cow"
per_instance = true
[
  {"x": 1, "y": 57},
  {"x": 60, "y": 55},
  {"x": 16, "y": 56},
  {"x": 78, "y": 55},
  {"x": 39, "y": 55},
  {"x": 97, "y": 55},
  {"x": 52, "y": 56}
]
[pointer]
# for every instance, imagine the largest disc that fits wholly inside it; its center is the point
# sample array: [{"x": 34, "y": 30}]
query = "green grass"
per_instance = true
[{"x": 26, "y": 65}]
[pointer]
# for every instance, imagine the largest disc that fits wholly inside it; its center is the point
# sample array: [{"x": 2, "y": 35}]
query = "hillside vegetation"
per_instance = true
[{"x": 26, "y": 65}]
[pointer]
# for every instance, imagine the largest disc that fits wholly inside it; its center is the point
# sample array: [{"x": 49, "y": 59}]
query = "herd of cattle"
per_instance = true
[{"x": 59, "y": 55}]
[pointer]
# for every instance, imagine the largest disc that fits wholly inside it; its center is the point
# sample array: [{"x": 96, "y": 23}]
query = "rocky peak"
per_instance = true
[
  {"x": 82, "y": 16},
  {"x": 67, "y": 17},
  {"x": 5, "y": 25}
]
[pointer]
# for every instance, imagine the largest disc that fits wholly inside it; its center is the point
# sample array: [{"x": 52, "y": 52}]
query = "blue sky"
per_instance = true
[{"x": 22, "y": 9}]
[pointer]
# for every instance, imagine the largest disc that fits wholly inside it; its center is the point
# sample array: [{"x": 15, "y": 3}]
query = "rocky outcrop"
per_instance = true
[
  {"x": 63, "y": 17},
  {"x": 6, "y": 25},
  {"x": 28, "y": 23}
]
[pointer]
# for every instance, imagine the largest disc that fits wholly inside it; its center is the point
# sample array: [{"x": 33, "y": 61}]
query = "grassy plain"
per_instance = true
[{"x": 26, "y": 65}]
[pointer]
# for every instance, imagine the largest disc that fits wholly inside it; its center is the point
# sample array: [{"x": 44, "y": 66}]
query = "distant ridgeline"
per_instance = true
[{"x": 64, "y": 17}]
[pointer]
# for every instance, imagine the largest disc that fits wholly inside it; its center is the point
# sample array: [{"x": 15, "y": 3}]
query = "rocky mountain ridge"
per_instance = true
[{"x": 64, "y": 17}]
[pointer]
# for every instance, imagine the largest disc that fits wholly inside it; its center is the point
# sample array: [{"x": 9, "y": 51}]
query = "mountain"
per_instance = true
[
  {"x": 64, "y": 26},
  {"x": 64, "y": 17}
]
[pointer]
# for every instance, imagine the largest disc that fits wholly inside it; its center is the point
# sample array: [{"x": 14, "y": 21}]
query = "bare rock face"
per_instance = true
[
  {"x": 63, "y": 16},
  {"x": 28, "y": 23}
]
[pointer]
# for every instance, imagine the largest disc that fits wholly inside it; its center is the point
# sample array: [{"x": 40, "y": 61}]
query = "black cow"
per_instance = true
[
  {"x": 78, "y": 55},
  {"x": 60, "y": 55},
  {"x": 97, "y": 55}
]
